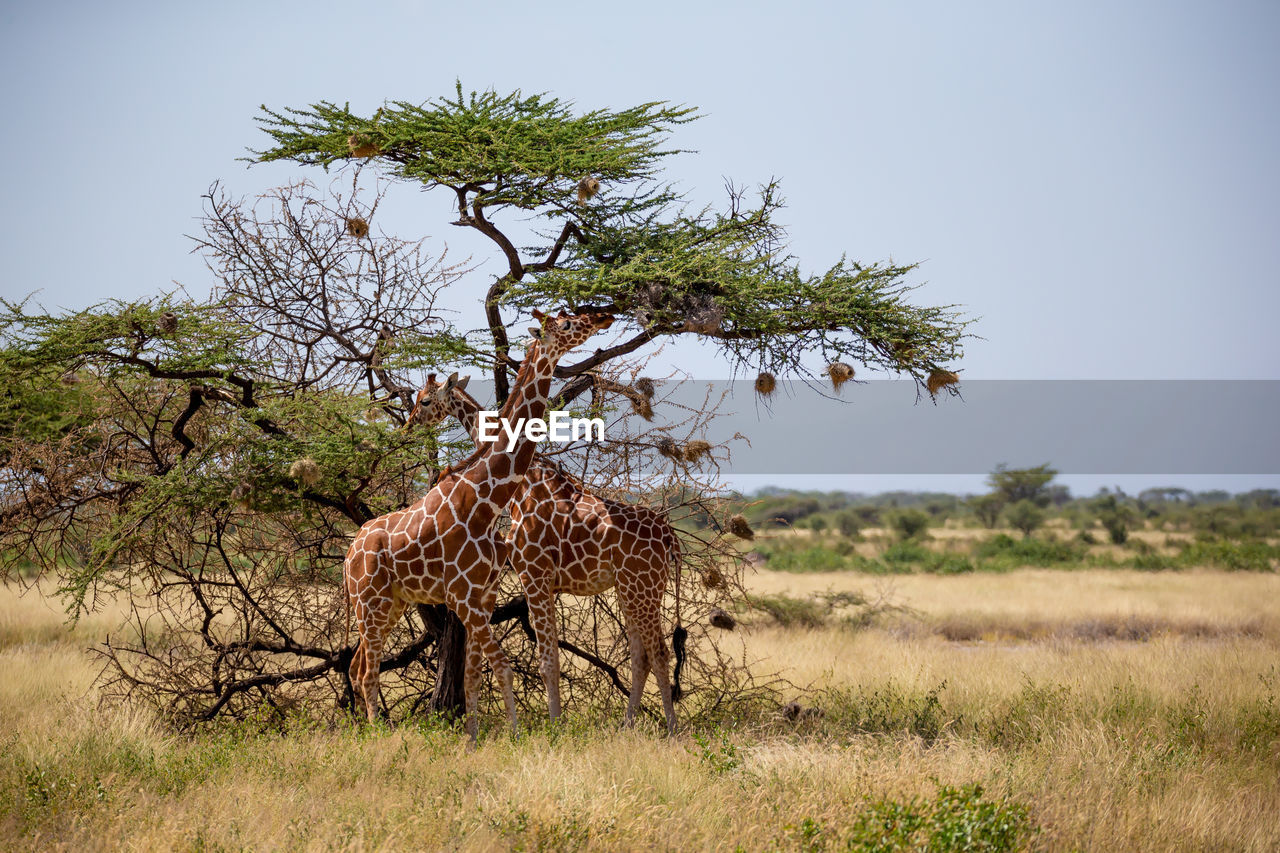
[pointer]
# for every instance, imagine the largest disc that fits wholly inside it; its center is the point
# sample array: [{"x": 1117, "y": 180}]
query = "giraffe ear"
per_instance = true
[
  {"x": 536, "y": 332},
  {"x": 451, "y": 381},
  {"x": 462, "y": 383}
]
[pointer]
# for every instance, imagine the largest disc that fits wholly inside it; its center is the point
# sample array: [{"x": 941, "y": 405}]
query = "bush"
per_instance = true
[
  {"x": 790, "y": 612},
  {"x": 910, "y": 523},
  {"x": 1237, "y": 556},
  {"x": 888, "y": 710},
  {"x": 849, "y": 524},
  {"x": 906, "y": 552},
  {"x": 786, "y": 555},
  {"x": 956, "y": 819},
  {"x": 1006, "y": 552},
  {"x": 1025, "y": 516}
]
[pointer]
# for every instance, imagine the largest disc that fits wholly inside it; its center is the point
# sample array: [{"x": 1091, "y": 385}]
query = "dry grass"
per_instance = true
[{"x": 1162, "y": 742}]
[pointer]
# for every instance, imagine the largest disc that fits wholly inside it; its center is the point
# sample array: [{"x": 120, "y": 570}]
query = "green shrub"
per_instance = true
[
  {"x": 1027, "y": 552},
  {"x": 906, "y": 552},
  {"x": 791, "y": 612},
  {"x": 888, "y": 710},
  {"x": 1025, "y": 516},
  {"x": 1236, "y": 556},
  {"x": 948, "y": 564},
  {"x": 910, "y": 523},
  {"x": 956, "y": 819}
]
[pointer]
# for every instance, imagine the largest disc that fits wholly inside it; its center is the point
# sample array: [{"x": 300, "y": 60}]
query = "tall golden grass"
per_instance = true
[{"x": 1170, "y": 741}]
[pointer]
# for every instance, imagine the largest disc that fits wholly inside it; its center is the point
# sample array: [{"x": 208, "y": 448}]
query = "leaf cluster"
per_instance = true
[{"x": 637, "y": 248}]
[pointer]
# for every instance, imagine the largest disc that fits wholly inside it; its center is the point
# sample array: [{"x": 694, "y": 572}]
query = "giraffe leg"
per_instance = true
[
  {"x": 642, "y": 608},
  {"x": 482, "y": 644},
  {"x": 376, "y": 611},
  {"x": 659, "y": 658},
  {"x": 639, "y": 672},
  {"x": 542, "y": 615}
]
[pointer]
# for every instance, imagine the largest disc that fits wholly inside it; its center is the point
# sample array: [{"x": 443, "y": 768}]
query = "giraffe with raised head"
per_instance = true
[
  {"x": 564, "y": 538},
  {"x": 443, "y": 548}
]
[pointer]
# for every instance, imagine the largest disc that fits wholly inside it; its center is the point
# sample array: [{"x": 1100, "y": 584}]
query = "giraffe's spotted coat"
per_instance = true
[
  {"x": 443, "y": 548},
  {"x": 565, "y": 539}
]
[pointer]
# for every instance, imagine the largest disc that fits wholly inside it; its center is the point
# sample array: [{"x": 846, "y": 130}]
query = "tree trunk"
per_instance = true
[{"x": 449, "y": 697}]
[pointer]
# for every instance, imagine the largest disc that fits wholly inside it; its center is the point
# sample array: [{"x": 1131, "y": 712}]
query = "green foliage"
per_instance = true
[
  {"x": 719, "y": 753},
  {"x": 791, "y": 612},
  {"x": 888, "y": 710},
  {"x": 788, "y": 554},
  {"x": 1022, "y": 484},
  {"x": 637, "y": 249},
  {"x": 1235, "y": 556},
  {"x": 909, "y": 523},
  {"x": 849, "y": 524},
  {"x": 1027, "y": 716},
  {"x": 987, "y": 508},
  {"x": 524, "y": 151},
  {"x": 1025, "y": 516},
  {"x": 956, "y": 819},
  {"x": 1007, "y": 552},
  {"x": 1115, "y": 517}
]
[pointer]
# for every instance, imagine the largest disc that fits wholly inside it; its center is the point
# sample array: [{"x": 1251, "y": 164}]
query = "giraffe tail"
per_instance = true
[{"x": 680, "y": 635}]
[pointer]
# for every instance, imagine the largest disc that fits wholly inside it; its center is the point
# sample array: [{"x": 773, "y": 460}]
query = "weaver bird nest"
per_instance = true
[
  {"x": 840, "y": 373},
  {"x": 738, "y": 527},
  {"x": 939, "y": 379},
  {"x": 587, "y": 188},
  {"x": 695, "y": 450},
  {"x": 357, "y": 227},
  {"x": 360, "y": 146},
  {"x": 305, "y": 471}
]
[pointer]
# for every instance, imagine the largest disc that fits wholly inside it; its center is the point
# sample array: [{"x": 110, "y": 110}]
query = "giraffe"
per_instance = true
[
  {"x": 566, "y": 539},
  {"x": 443, "y": 549}
]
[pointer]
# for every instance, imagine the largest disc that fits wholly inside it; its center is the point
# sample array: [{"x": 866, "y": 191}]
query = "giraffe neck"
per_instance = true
[
  {"x": 495, "y": 472},
  {"x": 467, "y": 410},
  {"x": 528, "y": 399}
]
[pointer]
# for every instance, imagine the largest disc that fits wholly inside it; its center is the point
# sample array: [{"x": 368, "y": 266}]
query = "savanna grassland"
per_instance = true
[{"x": 1107, "y": 709}]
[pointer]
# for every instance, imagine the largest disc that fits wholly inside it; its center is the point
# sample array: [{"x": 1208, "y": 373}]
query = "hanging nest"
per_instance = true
[
  {"x": 766, "y": 384},
  {"x": 695, "y": 450},
  {"x": 641, "y": 406},
  {"x": 738, "y": 527},
  {"x": 721, "y": 619},
  {"x": 587, "y": 188},
  {"x": 840, "y": 373},
  {"x": 713, "y": 579},
  {"x": 168, "y": 323},
  {"x": 939, "y": 379},
  {"x": 69, "y": 379},
  {"x": 361, "y": 146},
  {"x": 646, "y": 386},
  {"x": 305, "y": 471},
  {"x": 904, "y": 353},
  {"x": 668, "y": 448},
  {"x": 649, "y": 302},
  {"x": 241, "y": 494},
  {"x": 702, "y": 314},
  {"x": 357, "y": 227}
]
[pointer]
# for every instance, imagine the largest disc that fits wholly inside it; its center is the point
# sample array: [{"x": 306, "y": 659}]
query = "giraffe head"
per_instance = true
[
  {"x": 436, "y": 401},
  {"x": 563, "y": 332}
]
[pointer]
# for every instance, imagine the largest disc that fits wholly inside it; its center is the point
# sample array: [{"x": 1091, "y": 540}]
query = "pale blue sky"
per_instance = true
[{"x": 1098, "y": 182}]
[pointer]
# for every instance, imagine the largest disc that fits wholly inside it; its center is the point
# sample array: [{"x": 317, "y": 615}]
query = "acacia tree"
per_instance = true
[{"x": 212, "y": 457}]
